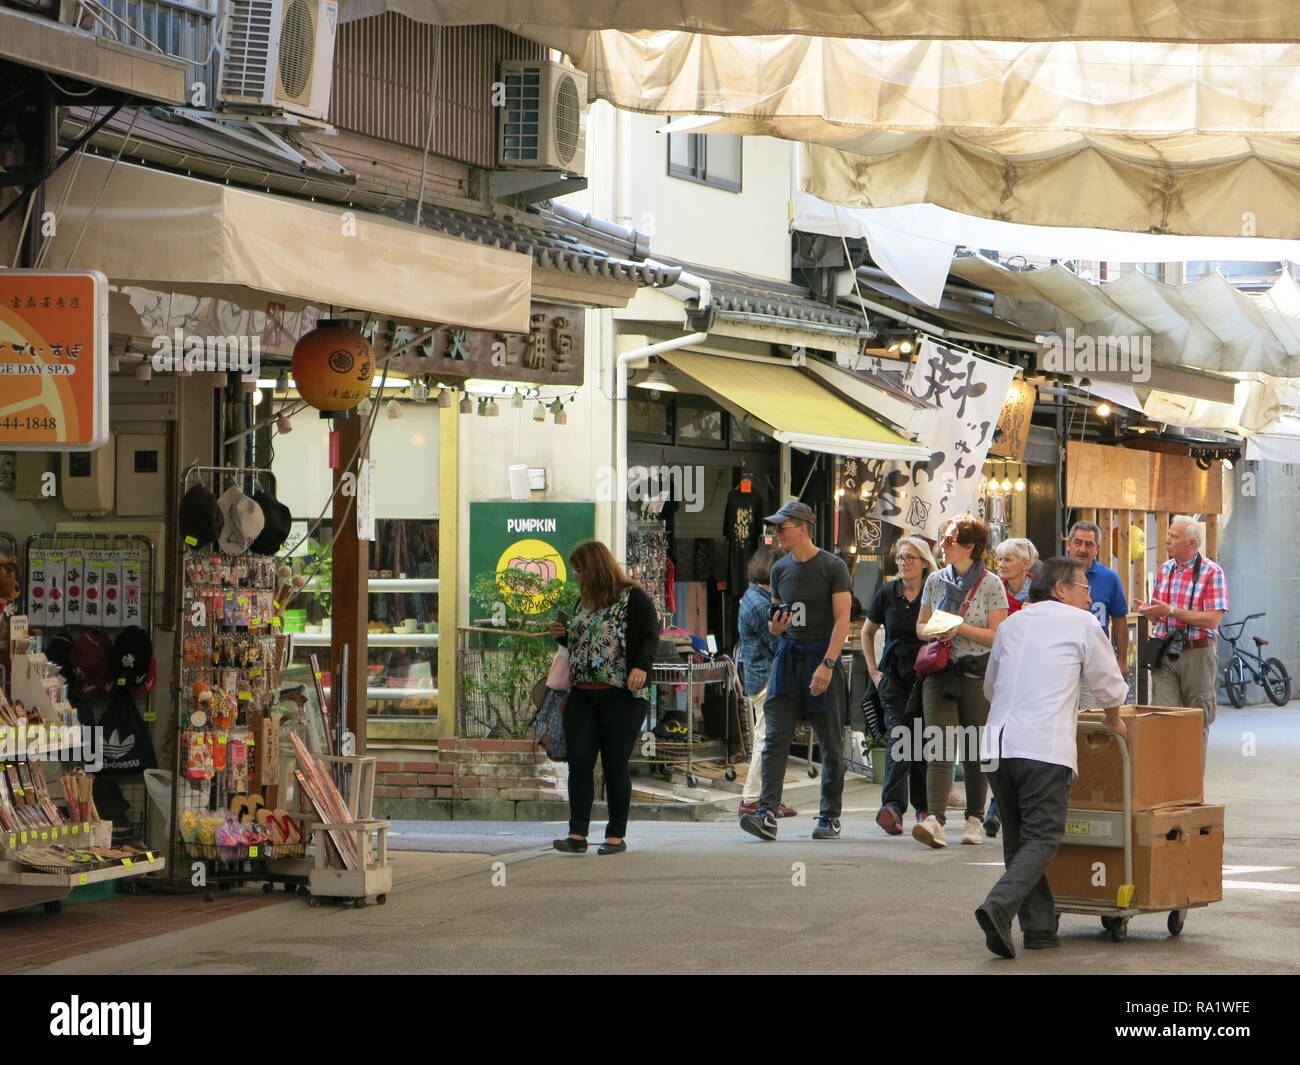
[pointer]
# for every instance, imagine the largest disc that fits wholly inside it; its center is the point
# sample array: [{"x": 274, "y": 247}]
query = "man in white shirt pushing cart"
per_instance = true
[{"x": 1040, "y": 655}]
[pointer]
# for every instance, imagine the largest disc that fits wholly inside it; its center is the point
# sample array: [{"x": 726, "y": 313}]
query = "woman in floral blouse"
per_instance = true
[{"x": 612, "y": 638}]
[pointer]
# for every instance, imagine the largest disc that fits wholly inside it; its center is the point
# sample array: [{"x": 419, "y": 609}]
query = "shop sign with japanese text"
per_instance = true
[
  {"x": 550, "y": 353},
  {"x": 53, "y": 360}
]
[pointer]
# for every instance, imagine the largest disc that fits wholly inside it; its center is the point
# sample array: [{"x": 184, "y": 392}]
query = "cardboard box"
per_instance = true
[
  {"x": 1166, "y": 756},
  {"x": 1177, "y": 861}
]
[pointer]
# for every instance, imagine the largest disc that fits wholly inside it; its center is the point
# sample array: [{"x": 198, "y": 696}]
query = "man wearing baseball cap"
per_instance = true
[{"x": 811, "y": 601}]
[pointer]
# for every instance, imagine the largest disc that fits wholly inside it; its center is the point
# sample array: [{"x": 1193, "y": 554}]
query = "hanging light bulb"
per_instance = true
[
  {"x": 557, "y": 411},
  {"x": 466, "y": 404},
  {"x": 444, "y": 397},
  {"x": 905, "y": 347},
  {"x": 393, "y": 409},
  {"x": 284, "y": 424},
  {"x": 1020, "y": 484},
  {"x": 144, "y": 371},
  {"x": 517, "y": 400},
  {"x": 364, "y": 408},
  {"x": 258, "y": 396},
  {"x": 492, "y": 411},
  {"x": 539, "y": 414},
  {"x": 419, "y": 390},
  {"x": 114, "y": 363}
]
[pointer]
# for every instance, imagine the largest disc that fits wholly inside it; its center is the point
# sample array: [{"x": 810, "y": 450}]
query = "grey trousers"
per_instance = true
[
  {"x": 1032, "y": 800},
  {"x": 783, "y": 713},
  {"x": 1189, "y": 681}
]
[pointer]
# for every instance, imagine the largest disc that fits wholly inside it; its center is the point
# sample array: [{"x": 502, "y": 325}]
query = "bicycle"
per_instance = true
[{"x": 1269, "y": 673}]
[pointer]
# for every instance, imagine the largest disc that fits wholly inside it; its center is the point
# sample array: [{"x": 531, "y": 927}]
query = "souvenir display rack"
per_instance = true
[
  {"x": 647, "y": 558},
  {"x": 227, "y": 788},
  {"x": 52, "y": 838}
]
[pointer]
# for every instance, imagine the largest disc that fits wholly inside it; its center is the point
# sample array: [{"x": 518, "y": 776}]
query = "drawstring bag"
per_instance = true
[{"x": 548, "y": 726}]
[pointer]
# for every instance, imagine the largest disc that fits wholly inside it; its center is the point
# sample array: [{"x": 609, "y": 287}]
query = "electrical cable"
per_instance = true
[{"x": 135, "y": 114}]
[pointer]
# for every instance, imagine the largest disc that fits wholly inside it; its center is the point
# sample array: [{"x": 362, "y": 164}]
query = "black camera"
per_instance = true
[{"x": 1175, "y": 644}]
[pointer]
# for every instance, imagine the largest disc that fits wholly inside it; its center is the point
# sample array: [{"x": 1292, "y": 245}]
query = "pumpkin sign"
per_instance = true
[{"x": 333, "y": 366}]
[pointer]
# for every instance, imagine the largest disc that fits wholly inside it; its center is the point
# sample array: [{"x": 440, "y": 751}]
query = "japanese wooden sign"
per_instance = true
[
  {"x": 53, "y": 360},
  {"x": 550, "y": 353},
  {"x": 1017, "y": 412}
]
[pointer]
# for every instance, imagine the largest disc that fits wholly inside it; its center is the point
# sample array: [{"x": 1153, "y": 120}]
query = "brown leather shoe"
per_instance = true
[
  {"x": 749, "y": 807},
  {"x": 784, "y": 811}
]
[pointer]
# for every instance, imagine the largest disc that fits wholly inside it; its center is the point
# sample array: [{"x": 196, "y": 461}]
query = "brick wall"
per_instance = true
[{"x": 471, "y": 769}]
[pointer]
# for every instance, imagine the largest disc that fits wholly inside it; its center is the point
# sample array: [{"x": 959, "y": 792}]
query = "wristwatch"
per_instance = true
[{"x": 829, "y": 663}]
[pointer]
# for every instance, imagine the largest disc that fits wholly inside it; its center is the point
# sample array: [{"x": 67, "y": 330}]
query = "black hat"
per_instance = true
[
  {"x": 275, "y": 530},
  {"x": 132, "y": 653},
  {"x": 200, "y": 517},
  {"x": 59, "y": 651}
]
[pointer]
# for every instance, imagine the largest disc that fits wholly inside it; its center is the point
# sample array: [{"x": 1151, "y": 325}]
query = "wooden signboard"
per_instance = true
[
  {"x": 550, "y": 353},
  {"x": 1179, "y": 486},
  {"x": 1097, "y": 476},
  {"x": 1017, "y": 411}
]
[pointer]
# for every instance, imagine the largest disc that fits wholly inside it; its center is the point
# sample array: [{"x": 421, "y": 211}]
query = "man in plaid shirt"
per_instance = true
[{"x": 1187, "y": 680}]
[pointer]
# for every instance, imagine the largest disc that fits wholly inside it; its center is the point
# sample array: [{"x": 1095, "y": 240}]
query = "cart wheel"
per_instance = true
[
  {"x": 313, "y": 901},
  {"x": 692, "y": 780},
  {"x": 730, "y": 773},
  {"x": 54, "y": 906},
  {"x": 812, "y": 771},
  {"x": 303, "y": 889},
  {"x": 1175, "y": 922},
  {"x": 268, "y": 888},
  {"x": 1117, "y": 927},
  {"x": 358, "y": 903},
  {"x": 381, "y": 899}
]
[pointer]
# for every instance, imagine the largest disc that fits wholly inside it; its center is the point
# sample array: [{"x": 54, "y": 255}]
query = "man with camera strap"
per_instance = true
[{"x": 1189, "y": 601}]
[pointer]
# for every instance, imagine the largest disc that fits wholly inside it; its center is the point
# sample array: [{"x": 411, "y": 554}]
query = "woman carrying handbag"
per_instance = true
[
  {"x": 953, "y": 665},
  {"x": 612, "y": 638}
]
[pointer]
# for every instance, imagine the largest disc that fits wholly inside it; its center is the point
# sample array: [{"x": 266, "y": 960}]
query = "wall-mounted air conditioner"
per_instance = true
[
  {"x": 279, "y": 55},
  {"x": 541, "y": 125}
]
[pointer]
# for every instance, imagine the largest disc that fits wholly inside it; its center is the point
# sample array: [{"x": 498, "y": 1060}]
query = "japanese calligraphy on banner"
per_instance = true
[
  {"x": 857, "y": 531},
  {"x": 970, "y": 393},
  {"x": 550, "y": 353},
  {"x": 53, "y": 360},
  {"x": 1014, "y": 421}
]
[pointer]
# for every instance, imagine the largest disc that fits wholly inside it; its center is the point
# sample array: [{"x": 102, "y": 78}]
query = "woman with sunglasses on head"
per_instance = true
[
  {"x": 953, "y": 699},
  {"x": 612, "y": 638},
  {"x": 896, "y": 606}
]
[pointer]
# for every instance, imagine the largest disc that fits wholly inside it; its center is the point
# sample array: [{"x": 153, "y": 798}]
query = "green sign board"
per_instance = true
[{"x": 534, "y": 537}]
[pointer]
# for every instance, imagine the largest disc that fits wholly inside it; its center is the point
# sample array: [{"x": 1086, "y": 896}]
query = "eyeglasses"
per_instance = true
[
  {"x": 1080, "y": 584},
  {"x": 900, "y": 559},
  {"x": 787, "y": 526}
]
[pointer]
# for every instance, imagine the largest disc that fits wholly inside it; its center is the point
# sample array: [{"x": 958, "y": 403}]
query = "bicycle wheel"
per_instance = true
[
  {"x": 1234, "y": 681},
  {"x": 1277, "y": 682}
]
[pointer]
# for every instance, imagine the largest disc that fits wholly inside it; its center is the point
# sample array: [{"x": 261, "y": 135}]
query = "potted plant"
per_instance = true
[{"x": 498, "y": 672}]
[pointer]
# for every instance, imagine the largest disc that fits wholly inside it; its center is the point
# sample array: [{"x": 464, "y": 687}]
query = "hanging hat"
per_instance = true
[
  {"x": 242, "y": 521},
  {"x": 132, "y": 657},
  {"x": 90, "y": 659},
  {"x": 275, "y": 527},
  {"x": 58, "y": 649},
  {"x": 200, "y": 519}
]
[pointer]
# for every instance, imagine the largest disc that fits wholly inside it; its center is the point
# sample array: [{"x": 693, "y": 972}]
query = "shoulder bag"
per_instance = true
[{"x": 933, "y": 657}]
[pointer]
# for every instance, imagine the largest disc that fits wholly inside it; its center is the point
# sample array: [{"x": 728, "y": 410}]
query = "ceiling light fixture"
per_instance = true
[{"x": 657, "y": 382}]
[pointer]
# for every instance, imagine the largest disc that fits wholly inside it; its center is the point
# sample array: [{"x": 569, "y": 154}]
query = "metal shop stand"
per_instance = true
[
  {"x": 694, "y": 677},
  {"x": 1112, "y": 828}
]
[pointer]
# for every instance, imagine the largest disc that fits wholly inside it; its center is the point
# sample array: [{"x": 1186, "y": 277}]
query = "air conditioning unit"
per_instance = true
[
  {"x": 541, "y": 125},
  {"x": 279, "y": 55}
]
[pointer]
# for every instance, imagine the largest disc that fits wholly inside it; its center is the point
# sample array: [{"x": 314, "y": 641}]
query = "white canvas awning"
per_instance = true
[
  {"x": 164, "y": 231},
  {"x": 1280, "y": 444},
  {"x": 1028, "y": 20}
]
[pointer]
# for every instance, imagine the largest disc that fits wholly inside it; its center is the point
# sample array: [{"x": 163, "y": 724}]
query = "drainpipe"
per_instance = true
[{"x": 636, "y": 359}]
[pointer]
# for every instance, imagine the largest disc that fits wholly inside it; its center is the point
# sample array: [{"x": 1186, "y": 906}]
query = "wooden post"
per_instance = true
[
  {"x": 1123, "y": 565},
  {"x": 1211, "y": 545},
  {"x": 349, "y": 596},
  {"x": 1104, "y": 553},
  {"x": 448, "y": 565}
]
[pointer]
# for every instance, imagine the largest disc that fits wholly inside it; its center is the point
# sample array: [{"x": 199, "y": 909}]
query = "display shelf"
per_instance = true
[
  {"x": 381, "y": 585},
  {"x": 374, "y": 639},
  {"x": 75, "y": 878}
]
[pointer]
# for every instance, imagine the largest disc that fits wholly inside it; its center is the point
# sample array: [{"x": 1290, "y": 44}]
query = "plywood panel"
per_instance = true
[
  {"x": 1179, "y": 486},
  {"x": 1122, "y": 566},
  {"x": 1106, "y": 519},
  {"x": 1098, "y": 476},
  {"x": 1211, "y": 545}
]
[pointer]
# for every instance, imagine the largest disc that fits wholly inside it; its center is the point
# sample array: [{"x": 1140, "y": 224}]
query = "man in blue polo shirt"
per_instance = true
[{"x": 1108, "y": 601}]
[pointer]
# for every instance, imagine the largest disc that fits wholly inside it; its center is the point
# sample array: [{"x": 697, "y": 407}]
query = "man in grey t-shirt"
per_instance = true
[{"x": 811, "y": 601}]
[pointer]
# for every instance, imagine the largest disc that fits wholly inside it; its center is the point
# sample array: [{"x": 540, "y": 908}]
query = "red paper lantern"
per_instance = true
[{"x": 333, "y": 365}]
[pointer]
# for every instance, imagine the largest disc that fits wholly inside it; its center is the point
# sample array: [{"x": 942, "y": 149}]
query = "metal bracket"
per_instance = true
[
  {"x": 523, "y": 187},
  {"x": 253, "y": 131}
]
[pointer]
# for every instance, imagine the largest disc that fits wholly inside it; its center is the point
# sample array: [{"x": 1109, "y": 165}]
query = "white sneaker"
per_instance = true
[
  {"x": 974, "y": 831},
  {"x": 930, "y": 832}
]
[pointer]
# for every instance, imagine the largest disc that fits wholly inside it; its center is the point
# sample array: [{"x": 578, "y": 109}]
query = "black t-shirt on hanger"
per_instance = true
[{"x": 742, "y": 528}]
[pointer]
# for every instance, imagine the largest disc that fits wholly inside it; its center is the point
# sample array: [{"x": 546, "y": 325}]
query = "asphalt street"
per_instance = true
[{"x": 706, "y": 898}]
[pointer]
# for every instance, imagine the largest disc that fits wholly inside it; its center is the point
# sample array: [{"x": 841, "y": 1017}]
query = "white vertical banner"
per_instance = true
[
  {"x": 969, "y": 392},
  {"x": 112, "y": 610},
  {"x": 365, "y": 501},
  {"x": 132, "y": 588},
  {"x": 36, "y": 590},
  {"x": 92, "y": 597},
  {"x": 74, "y": 578},
  {"x": 55, "y": 595}
]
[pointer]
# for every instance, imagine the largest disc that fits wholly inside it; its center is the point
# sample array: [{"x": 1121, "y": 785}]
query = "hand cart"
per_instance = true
[
  {"x": 1112, "y": 828},
  {"x": 669, "y": 754}
]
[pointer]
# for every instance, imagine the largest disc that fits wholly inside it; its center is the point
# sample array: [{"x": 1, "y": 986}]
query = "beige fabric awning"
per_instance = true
[
  {"x": 1015, "y": 20},
  {"x": 164, "y": 231}
]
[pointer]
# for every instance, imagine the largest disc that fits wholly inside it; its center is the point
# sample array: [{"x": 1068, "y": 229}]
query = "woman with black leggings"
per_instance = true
[{"x": 612, "y": 638}]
